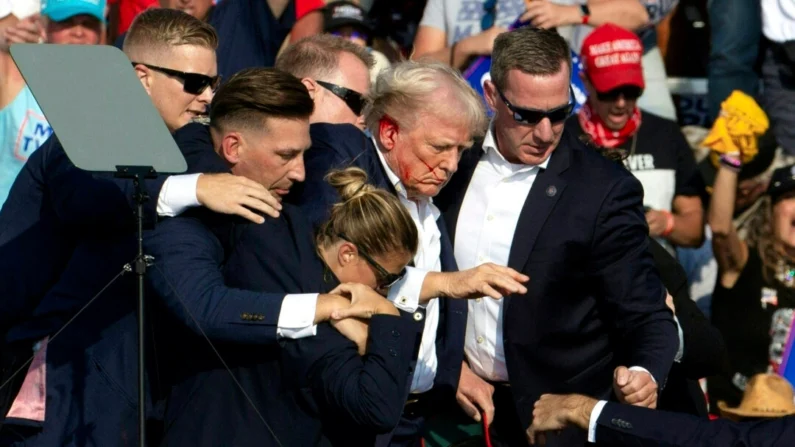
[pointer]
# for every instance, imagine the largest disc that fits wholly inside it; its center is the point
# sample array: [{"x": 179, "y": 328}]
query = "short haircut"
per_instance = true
[
  {"x": 530, "y": 50},
  {"x": 255, "y": 94},
  {"x": 405, "y": 89},
  {"x": 318, "y": 56},
  {"x": 158, "y": 29}
]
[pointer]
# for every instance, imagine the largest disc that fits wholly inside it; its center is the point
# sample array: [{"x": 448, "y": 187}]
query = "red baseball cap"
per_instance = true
[{"x": 611, "y": 56}]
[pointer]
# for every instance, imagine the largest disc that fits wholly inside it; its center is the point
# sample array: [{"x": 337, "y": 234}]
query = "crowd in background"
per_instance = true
[{"x": 713, "y": 265}]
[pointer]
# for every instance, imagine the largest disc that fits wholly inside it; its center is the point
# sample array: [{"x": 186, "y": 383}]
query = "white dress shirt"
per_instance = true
[
  {"x": 405, "y": 294},
  {"x": 484, "y": 233},
  {"x": 297, "y": 315}
]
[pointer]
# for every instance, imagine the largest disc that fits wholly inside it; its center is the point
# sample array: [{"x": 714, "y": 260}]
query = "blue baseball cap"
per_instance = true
[{"x": 60, "y": 10}]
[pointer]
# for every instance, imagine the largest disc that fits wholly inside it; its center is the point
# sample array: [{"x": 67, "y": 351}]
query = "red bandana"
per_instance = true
[{"x": 601, "y": 135}]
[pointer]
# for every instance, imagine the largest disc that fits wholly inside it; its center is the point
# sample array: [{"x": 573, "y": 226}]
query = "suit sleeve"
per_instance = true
[
  {"x": 704, "y": 351},
  {"x": 367, "y": 391},
  {"x": 187, "y": 276},
  {"x": 315, "y": 196},
  {"x": 622, "y": 271},
  {"x": 635, "y": 426}
]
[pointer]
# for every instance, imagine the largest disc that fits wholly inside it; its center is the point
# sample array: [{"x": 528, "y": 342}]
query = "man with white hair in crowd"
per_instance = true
[{"x": 422, "y": 116}]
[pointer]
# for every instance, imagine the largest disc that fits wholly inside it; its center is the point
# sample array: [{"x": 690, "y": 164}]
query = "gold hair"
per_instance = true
[
  {"x": 156, "y": 30},
  {"x": 371, "y": 218}
]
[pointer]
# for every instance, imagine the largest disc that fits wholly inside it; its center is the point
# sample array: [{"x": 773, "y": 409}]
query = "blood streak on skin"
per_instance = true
[{"x": 405, "y": 174}]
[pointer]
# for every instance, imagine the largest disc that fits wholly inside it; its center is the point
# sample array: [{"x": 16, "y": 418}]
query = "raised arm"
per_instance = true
[{"x": 731, "y": 253}]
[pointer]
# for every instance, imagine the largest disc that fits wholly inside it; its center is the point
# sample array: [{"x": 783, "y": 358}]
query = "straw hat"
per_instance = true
[{"x": 766, "y": 396}]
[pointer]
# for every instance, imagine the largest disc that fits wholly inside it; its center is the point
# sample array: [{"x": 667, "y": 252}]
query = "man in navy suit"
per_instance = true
[
  {"x": 594, "y": 319},
  {"x": 220, "y": 360},
  {"x": 610, "y": 423},
  {"x": 421, "y": 117},
  {"x": 59, "y": 221}
]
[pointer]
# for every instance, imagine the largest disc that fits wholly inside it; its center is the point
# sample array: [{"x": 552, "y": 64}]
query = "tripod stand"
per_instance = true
[
  {"x": 138, "y": 174},
  {"x": 117, "y": 131}
]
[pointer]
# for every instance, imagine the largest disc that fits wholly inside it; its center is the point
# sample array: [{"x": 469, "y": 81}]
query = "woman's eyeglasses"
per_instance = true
[
  {"x": 353, "y": 99},
  {"x": 384, "y": 279},
  {"x": 533, "y": 116},
  {"x": 193, "y": 83}
]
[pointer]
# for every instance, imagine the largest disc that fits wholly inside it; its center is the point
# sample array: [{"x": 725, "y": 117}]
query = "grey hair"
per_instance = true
[{"x": 403, "y": 90}]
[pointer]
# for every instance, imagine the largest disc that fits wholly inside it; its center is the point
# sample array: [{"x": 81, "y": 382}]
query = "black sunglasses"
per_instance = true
[
  {"x": 385, "y": 279},
  {"x": 533, "y": 116},
  {"x": 353, "y": 99},
  {"x": 193, "y": 83},
  {"x": 490, "y": 6},
  {"x": 629, "y": 92}
]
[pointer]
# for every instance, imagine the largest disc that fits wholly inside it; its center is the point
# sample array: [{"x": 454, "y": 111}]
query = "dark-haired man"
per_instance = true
[{"x": 594, "y": 317}]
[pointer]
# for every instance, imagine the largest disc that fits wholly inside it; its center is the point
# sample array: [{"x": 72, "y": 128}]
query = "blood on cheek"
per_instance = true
[{"x": 403, "y": 167}]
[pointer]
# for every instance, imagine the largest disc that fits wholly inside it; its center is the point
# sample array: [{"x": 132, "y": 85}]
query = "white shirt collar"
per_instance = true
[{"x": 494, "y": 156}]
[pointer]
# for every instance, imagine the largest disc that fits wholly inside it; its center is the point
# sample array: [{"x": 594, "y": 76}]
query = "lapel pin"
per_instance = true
[{"x": 551, "y": 191}]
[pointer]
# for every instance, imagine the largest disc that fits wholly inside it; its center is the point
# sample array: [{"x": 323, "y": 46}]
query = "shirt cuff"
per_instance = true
[
  {"x": 597, "y": 410},
  {"x": 681, "y": 351},
  {"x": 405, "y": 294},
  {"x": 177, "y": 195},
  {"x": 640, "y": 368},
  {"x": 297, "y": 317}
]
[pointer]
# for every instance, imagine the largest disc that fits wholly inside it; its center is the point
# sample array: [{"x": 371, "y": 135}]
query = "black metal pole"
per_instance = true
[{"x": 140, "y": 271}]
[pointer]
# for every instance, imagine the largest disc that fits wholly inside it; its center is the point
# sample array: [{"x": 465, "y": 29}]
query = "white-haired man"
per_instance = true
[{"x": 421, "y": 118}]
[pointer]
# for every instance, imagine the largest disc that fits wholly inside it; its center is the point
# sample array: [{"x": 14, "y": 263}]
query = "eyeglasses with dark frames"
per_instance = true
[
  {"x": 352, "y": 98},
  {"x": 385, "y": 279},
  {"x": 193, "y": 83},
  {"x": 629, "y": 92},
  {"x": 534, "y": 116}
]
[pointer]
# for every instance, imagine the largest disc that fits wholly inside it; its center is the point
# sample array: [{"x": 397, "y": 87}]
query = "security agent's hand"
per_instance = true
[
  {"x": 365, "y": 302},
  {"x": 355, "y": 330},
  {"x": 657, "y": 221},
  {"x": 27, "y": 30},
  {"x": 474, "y": 395},
  {"x": 635, "y": 387},
  {"x": 232, "y": 194},
  {"x": 555, "y": 412},
  {"x": 484, "y": 280}
]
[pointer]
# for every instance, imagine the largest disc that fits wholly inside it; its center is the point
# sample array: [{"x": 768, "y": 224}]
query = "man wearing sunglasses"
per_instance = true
[
  {"x": 657, "y": 152},
  {"x": 63, "y": 237},
  {"x": 537, "y": 200},
  {"x": 336, "y": 73}
]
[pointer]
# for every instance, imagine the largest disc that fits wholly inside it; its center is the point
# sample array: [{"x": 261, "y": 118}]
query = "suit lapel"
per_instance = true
[{"x": 547, "y": 188}]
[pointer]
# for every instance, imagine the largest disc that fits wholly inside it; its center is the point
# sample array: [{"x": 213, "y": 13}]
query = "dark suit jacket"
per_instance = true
[
  {"x": 704, "y": 351},
  {"x": 594, "y": 299},
  {"x": 337, "y": 146},
  {"x": 91, "y": 366},
  {"x": 51, "y": 205},
  {"x": 634, "y": 426},
  {"x": 355, "y": 398}
]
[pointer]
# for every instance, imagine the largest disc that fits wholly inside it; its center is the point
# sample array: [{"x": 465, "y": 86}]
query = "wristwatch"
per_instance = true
[{"x": 586, "y": 13}]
